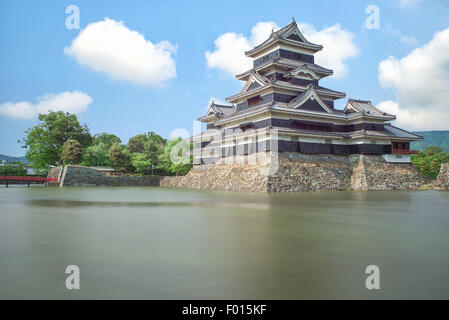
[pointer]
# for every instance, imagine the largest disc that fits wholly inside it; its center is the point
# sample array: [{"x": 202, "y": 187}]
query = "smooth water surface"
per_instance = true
[{"x": 155, "y": 243}]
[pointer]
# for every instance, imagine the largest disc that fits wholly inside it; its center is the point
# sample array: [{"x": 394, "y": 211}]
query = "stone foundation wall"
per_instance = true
[
  {"x": 302, "y": 172},
  {"x": 442, "y": 181},
  {"x": 85, "y": 176},
  {"x": 374, "y": 173},
  {"x": 290, "y": 171},
  {"x": 170, "y": 182},
  {"x": 272, "y": 172},
  {"x": 239, "y": 173}
]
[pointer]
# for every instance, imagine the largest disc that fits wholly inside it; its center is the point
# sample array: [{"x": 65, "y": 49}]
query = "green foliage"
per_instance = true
[
  {"x": 108, "y": 139},
  {"x": 151, "y": 144},
  {"x": 141, "y": 163},
  {"x": 72, "y": 152},
  {"x": 429, "y": 161},
  {"x": 45, "y": 140},
  {"x": 432, "y": 138},
  {"x": 136, "y": 144},
  {"x": 59, "y": 136},
  {"x": 13, "y": 169},
  {"x": 169, "y": 161},
  {"x": 145, "y": 151},
  {"x": 98, "y": 153},
  {"x": 154, "y": 147},
  {"x": 119, "y": 156}
]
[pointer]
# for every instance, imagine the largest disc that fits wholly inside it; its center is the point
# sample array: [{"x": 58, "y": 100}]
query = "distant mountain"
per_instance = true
[
  {"x": 432, "y": 138},
  {"x": 10, "y": 159}
]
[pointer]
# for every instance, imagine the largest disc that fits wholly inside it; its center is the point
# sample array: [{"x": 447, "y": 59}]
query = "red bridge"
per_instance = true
[{"x": 25, "y": 180}]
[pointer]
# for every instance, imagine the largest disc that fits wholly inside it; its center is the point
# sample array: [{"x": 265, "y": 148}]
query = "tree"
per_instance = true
[
  {"x": 149, "y": 143},
  {"x": 154, "y": 147},
  {"x": 119, "y": 156},
  {"x": 98, "y": 153},
  {"x": 45, "y": 140},
  {"x": 429, "y": 160},
  {"x": 108, "y": 139},
  {"x": 72, "y": 152},
  {"x": 146, "y": 150},
  {"x": 13, "y": 169},
  {"x": 141, "y": 163},
  {"x": 435, "y": 165},
  {"x": 171, "y": 161},
  {"x": 136, "y": 144}
]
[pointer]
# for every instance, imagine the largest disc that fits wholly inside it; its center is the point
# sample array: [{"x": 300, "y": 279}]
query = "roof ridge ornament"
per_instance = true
[{"x": 293, "y": 20}]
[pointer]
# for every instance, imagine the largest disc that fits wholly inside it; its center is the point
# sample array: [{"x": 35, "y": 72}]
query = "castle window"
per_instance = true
[{"x": 254, "y": 100}]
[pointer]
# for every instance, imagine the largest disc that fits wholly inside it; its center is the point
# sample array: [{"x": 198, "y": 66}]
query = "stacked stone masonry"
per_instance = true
[
  {"x": 442, "y": 181},
  {"x": 84, "y": 176},
  {"x": 291, "y": 172},
  {"x": 273, "y": 172}
]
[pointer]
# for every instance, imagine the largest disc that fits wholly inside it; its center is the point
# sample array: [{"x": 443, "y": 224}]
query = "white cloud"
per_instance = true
[
  {"x": 416, "y": 119},
  {"x": 421, "y": 84},
  {"x": 73, "y": 102},
  {"x": 338, "y": 46},
  {"x": 409, "y": 3},
  {"x": 109, "y": 46},
  {"x": 229, "y": 53}
]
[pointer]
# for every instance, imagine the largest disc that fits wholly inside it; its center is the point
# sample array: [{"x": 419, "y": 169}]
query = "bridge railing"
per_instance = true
[{"x": 28, "y": 178}]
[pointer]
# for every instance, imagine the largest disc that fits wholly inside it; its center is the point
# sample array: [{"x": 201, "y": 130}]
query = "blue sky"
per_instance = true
[{"x": 33, "y": 63}]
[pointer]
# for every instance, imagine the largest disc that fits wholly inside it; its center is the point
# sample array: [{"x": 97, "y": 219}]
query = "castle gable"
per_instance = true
[{"x": 311, "y": 101}]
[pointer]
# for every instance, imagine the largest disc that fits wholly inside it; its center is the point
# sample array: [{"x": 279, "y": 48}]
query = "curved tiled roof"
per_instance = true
[
  {"x": 218, "y": 110},
  {"x": 282, "y": 35},
  {"x": 365, "y": 107}
]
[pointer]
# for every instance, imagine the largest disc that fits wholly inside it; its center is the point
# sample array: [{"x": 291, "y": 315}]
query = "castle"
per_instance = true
[
  {"x": 283, "y": 132},
  {"x": 282, "y": 94}
]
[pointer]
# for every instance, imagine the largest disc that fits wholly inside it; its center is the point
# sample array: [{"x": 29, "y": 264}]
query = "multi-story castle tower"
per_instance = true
[{"x": 282, "y": 108}]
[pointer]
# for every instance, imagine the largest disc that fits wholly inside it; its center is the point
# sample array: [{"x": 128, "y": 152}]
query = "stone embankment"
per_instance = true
[
  {"x": 442, "y": 181},
  {"x": 73, "y": 176},
  {"x": 270, "y": 172},
  {"x": 373, "y": 173},
  {"x": 289, "y": 172}
]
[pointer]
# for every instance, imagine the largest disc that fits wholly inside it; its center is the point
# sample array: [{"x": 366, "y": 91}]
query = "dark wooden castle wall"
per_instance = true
[
  {"x": 312, "y": 125},
  {"x": 302, "y": 147},
  {"x": 277, "y": 97},
  {"x": 286, "y": 54},
  {"x": 295, "y": 81}
]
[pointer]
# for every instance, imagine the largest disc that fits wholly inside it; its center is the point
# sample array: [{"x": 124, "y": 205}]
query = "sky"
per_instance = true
[{"x": 138, "y": 66}]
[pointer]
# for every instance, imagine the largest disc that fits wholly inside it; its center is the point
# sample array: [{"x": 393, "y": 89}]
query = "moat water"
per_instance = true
[{"x": 155, "y": 243}]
